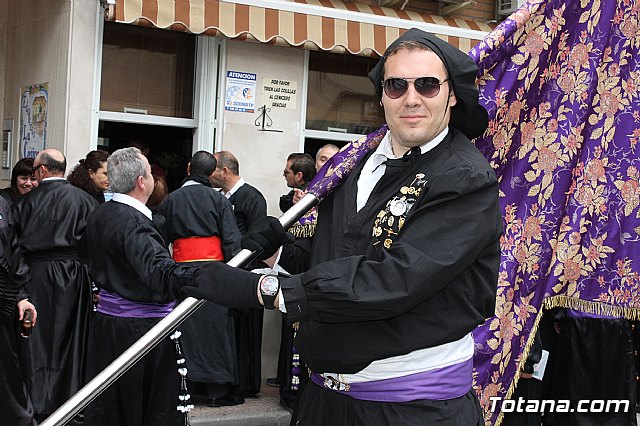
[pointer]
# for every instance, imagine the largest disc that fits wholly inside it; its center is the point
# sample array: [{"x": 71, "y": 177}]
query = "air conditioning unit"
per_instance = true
[{"x": 507, "y": 7}]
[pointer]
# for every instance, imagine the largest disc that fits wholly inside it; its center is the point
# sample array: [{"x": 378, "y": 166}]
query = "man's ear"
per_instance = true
[
  {"x": 189, "y": 168},
  {"x": 140, "y": 182},
  {"x": 452, "y": 98}
]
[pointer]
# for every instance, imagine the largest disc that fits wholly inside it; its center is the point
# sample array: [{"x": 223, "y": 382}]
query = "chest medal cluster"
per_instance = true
[{"x": 390, "y": 220}]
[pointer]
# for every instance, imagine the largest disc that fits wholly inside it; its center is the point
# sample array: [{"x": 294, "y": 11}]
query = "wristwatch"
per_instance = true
[{"x": 269, "y": 287}]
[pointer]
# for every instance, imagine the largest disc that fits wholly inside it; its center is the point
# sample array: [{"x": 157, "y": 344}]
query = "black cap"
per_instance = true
[{"x": 467, "y": 115}]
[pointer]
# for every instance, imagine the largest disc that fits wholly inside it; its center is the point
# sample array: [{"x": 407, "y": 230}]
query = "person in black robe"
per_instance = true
[
  {"x": 50, "y": 221},
  {"x": 248, "y": 203},
  {"x": 404, "y": 259},
  {"x": 248, "y": 206},
  {"x": 298, "y": 172},
  {"x": 199, "y": 223},
  {"x": 593, "y": 360},
  {"x": 139, "y": 284},
  {"x": 15, "y": 405}
]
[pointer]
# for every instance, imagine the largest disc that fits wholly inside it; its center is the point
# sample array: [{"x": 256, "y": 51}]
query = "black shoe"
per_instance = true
[
  {"x": 287, "y": 403},
  {"x": 273, "y": 381},
  {"x": 226, "y": 401}
]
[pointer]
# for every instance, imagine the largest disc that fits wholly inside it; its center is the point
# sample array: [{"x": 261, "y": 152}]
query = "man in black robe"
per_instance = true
[
  {"x": 199, "y": 223},
  {"x": 248, "y": 206},
  {"x": 15, "y": 405},
  {"x": 404, "y": 260},
  {"x": 139, "y": 284},
  {"x": 298, "y": 172},
  {"x": 248, "y": 203},
  {"x": 50, "y": 221}
]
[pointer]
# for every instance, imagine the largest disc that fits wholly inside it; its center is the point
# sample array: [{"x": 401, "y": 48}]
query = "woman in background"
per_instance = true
[
  {"x": 90, "y": 174},
  {"x": 22, "y": 181}
]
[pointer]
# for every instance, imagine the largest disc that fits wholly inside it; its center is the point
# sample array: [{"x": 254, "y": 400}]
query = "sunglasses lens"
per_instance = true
[
  {"x": 395, "y": 87},
  {"x": 428, "y": 87}
]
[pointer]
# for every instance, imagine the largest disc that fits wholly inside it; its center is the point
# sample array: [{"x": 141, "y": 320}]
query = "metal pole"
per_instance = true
[{"x": 158, "y": 332}]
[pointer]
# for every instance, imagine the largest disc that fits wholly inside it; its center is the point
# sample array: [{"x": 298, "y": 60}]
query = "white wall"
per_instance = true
[
  {"x": 263, "y": 155},
  {"x": 80, "y": 81},
  {"x": 52, "y": 41}
]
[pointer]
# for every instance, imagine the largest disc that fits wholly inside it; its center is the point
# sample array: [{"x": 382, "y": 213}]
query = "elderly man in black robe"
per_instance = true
[
  {"x": 404, "y": 260},
  {"x": 139, "y": 284},
  {"x": 50, "y": 221},
  {"x": 201, "y": 226}
]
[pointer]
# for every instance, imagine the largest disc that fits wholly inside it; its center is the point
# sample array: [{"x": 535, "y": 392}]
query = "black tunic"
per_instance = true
[
  {"x": 208, "y": 334},
  {"x": 50, "y": 221},
  {"x": 248, "y": 206},
  {"x": 15, "y": 405},
  {"x": 434, "y": 285},
  {"x": 127, "y": 256}
]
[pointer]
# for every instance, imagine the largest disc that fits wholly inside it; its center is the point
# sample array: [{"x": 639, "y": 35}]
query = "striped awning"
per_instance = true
[{"x": 329, "y": 25}]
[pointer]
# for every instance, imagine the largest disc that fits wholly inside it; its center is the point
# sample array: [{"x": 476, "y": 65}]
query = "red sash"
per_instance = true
[{"x": 197, "y": 249}]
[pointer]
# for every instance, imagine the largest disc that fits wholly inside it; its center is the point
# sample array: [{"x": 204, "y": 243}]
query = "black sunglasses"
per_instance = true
[
  {"x": 38, "y": 166},
  {"x": 429, "y": 87}
]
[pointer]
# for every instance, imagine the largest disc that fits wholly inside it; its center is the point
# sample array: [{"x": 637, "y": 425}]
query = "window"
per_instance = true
[
  {"x": 340, "y": 97},
  {"x": 147, "y": 71}
]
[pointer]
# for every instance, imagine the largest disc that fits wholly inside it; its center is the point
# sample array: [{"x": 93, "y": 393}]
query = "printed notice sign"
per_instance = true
[
  {"x": 34, "y": 101},
  {"x": 278, "y": 93},
  {"x": 241, "y": 92}
]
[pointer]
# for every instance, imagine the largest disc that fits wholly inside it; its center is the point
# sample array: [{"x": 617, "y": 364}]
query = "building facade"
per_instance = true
[{"x": 260, "y": 78}]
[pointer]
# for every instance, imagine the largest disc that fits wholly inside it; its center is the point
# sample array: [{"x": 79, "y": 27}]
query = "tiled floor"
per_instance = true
[{"x": 263, "y": 410}]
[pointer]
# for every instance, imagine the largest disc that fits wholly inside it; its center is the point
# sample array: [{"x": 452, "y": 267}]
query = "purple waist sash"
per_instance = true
[
  {"x": 440, "y": 384},
  {"x": 115, "y": 305}
]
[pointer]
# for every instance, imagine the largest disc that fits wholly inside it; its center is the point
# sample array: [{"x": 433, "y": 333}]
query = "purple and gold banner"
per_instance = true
[{"x": 561, "y": 82}]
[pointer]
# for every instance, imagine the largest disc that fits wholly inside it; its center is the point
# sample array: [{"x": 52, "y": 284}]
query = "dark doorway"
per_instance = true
[
  {"x": 169, "y": 148},
  {"x": 312, "y": 145}
]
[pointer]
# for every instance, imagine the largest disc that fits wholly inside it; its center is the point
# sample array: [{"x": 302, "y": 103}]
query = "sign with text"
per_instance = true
[
  {"x": 278, "y": 93},
  {"x": 241, "y": 92}
]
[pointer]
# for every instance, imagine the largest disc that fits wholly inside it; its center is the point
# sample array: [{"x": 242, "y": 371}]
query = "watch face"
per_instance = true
[{"x": 269, "y": 285}]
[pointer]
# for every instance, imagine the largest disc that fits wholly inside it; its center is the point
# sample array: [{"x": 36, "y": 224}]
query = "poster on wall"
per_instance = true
[
  {"x": 241, "y": 92},
  {"x": 33, "y": 119},
  {"x": 277, "y": 93}
]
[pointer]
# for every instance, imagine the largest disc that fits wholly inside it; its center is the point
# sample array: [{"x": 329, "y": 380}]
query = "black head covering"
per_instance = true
[{"x": 467, "y": 115}]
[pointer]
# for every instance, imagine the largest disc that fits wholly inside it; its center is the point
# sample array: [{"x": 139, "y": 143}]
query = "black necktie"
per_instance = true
[{"x": 395, "y": 166}]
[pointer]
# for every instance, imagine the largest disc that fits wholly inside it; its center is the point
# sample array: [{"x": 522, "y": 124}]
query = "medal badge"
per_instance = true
[{"x": 398, "y": 207}]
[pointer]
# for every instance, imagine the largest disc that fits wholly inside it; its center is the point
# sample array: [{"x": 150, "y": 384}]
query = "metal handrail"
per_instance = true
[{"x": 158, "y": 332}]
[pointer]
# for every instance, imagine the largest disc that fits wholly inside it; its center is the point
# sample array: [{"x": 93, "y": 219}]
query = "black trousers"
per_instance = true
[
  {"x": 318, "y": 406},
  {"x": 15, "y": 405},
  {"x": 147, "y": 394}
]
